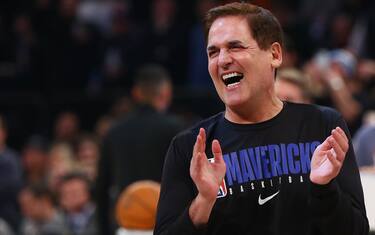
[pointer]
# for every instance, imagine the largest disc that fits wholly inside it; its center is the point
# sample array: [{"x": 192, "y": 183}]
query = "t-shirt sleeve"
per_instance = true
[
  {"x": 338, "y": 207},
  {"x": 177, "y": 191}
]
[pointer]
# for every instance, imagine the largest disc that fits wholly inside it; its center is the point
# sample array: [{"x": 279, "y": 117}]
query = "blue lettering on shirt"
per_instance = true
[{"x": 264, "y": 162}]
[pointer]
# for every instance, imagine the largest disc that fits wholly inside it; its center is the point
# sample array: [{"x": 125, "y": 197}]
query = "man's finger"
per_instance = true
[
  {"x": 196, "y": 160},
  {"x": 216, "y": 151},
  {"x": 336, "y": 163},
  {"x": 201, "y": 147},
  {"x": 342, "y": 141},
  {"x": 199, "y": 142},
  {"x": 341, "y": 131},
  {"x": 193, "y": 161},
  {"x": 195, "y": 148},
  {"x": 340, "y": 154}
]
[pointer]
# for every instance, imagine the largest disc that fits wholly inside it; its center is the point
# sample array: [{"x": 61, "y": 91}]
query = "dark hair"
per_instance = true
[
  {"x": 37, "y": 142},
  {"x": 263, "y": 25},
  {"x": 150, "y": 77},
  {"x": 40, "y": 190},
  {"x": 75, "y": 175}
]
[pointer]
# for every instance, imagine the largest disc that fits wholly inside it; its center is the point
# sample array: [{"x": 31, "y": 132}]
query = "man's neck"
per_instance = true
[{"x": 254, "y": 112}]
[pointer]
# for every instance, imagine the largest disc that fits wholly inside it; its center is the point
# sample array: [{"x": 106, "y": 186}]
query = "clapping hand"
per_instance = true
[
  {"x": 207, "y": 176},
  {"x": 328, "y": 157}
]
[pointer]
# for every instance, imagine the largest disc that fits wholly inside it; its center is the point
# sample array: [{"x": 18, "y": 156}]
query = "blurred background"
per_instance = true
[{"x": 67, "y": 70}]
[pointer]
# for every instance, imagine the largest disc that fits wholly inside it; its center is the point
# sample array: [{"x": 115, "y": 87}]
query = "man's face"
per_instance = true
[
  {"x": 241, "y": 71},
  {"x": 74, "y": 195}
]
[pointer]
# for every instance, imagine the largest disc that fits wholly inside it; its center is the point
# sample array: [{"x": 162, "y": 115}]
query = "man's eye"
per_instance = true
[
  {"x": 236, "y": 47},
  {"x": 212, "y": 54}
]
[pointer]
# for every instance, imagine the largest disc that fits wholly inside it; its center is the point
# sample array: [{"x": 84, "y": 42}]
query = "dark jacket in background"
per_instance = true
[
  {"x": 10, "y": 183},
  {"x": 133, "y": 150}
]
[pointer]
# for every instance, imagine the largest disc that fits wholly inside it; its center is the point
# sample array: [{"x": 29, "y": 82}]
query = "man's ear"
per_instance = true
[{"x": 277, "y": 55}]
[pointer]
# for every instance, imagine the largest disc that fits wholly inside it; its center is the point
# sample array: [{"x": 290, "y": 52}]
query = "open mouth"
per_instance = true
[{"x": 232, "y": 79}]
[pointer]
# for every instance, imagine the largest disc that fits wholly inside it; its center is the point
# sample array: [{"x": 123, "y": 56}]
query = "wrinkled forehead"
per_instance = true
[{"x": 229, "y": 28}]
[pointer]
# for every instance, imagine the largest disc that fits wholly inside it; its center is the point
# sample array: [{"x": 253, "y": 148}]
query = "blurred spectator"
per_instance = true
[
  {"x": 4, "y": 228},
  {"x": 166, "y": 39},
  {"x": 75, "y": 50},
  {"x": 198, "y": 63},
  {"x": 136, "y": 208},
  {"x": 363, "y": 34},
  {"x": 366, "y": 70},
  {"x": 25, "y": 201},
  {"x": 292, "y": 85},
  {"x": 290, "y": 54},
  {"x": 364, "y": 144},
  {"x": 121, "y": 107},
  {"x": 40, "y": 215},
  {"x": 61, "y": 162},
  {"x": 102, "y": 126},
  {"x": 135, "y": 146},
  {"x": 318, "y": 17},
  {"x": 35, "y": 159},
  {"x": 67, "y": 127},
  {"x": 97, "y": 13},
  {"x": 334, "y": 82},
  {"x": 339, "y": 30},
  {"x": 87, "y": 156},
  {"x": 296, "y": 31},
  {"x": 27, "y": 53},
  {"x": 10, "y": 179},
  {"x": 123, "y": 51},
  {"x": 75, "y": 201}
]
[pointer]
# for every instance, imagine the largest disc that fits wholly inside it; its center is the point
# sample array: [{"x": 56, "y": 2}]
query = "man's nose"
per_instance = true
[{"x": 225, "y": 59}]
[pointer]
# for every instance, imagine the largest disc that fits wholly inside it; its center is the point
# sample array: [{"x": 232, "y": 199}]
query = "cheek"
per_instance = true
[{"x": 212, "y": 68}]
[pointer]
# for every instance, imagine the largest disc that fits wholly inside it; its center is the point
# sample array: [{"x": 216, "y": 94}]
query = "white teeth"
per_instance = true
[
  {"x": 226, "y": 76},
  {"x": 233, "y": 84}
]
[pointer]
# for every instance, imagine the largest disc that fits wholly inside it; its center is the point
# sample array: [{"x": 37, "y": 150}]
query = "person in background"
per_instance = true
[
  {"x": 364, "y": 146},
  {"x": 135, "y": 146},
  {"x": 5, "y": 228},
  {"x": 87, "y": 155},
  {"x": 76, "y": 204},
  {"x": 166, "y": 39},
  {"x": 67, "y": 127},
  {"x": 364, "y": 143},
  {"x": 35, "y": 159},
  {"x": 10, "y": 179},
  {"x": 61, "y": 161},
  {"x": 41, "y": 217},
  {"x": 198, "y": 74},
  {"x": 291, "y": 85},
  {"x": 333, "y": 79},
  {"x": 102, "y": 126}
]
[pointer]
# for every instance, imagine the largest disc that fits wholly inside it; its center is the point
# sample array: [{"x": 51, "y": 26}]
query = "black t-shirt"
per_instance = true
[{"x": 266, "y": 189}]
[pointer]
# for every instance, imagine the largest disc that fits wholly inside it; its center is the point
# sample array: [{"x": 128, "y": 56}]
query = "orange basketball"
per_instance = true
[{"x": 136, "y": 206}]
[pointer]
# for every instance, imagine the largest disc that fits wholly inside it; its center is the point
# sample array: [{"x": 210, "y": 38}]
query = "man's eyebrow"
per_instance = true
[
  {"x": 211, "y": 48},
  {"x": 230, "y": 43},
  {"x": 235, "y": 43}
]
